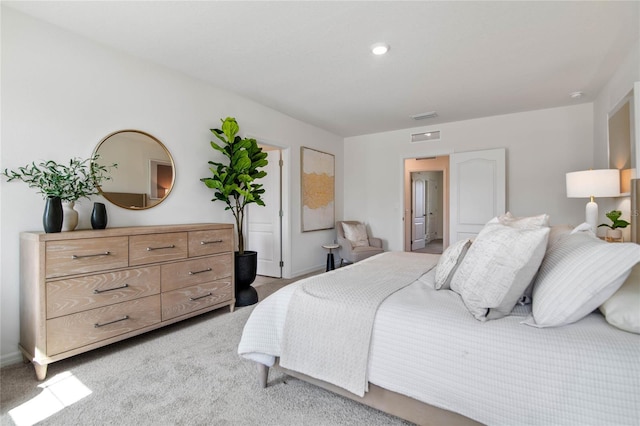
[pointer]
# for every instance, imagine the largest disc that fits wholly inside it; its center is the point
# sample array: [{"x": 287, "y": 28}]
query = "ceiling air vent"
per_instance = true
[
  {"x": 425, "y": 115},
  {"x": 426, "y": 136}
]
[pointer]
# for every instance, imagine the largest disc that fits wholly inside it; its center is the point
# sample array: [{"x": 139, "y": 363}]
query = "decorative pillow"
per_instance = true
[
  {"x": 622, "y": 310},
  {"x": 356, "y": 233},
  {"x": 498, "y": 267},
  {"x": 449, "y": 262},
  {"x": 525, "y": 222},
  {"x": 578, "y": 274},
  {"x": 555, "y": 233}
]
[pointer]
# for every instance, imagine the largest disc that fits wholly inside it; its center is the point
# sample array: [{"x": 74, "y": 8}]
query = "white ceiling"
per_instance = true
[{"x": 311, "y": 59}]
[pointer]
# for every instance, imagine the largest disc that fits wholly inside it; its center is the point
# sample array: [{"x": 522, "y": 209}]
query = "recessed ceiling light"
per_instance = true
[
  {"x": 576, "y": 95},
  {"x": 380, "y": 48}
]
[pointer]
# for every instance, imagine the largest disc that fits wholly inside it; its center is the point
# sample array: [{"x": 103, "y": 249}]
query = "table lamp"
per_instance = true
[{"x": 591, "y": 184}]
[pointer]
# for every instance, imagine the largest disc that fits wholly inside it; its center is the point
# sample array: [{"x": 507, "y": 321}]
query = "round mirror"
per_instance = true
[{"x": 145, "y": 173}]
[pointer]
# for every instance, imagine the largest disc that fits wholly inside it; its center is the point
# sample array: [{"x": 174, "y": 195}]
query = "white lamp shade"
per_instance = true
[{"x": 593, "y": 183}]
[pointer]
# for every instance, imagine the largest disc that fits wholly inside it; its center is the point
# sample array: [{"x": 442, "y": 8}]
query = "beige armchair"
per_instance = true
[{"x": 361, "y": 246}]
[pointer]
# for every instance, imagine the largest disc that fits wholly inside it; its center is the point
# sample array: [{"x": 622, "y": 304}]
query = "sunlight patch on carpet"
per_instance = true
[{"x": 59, "y": 392}]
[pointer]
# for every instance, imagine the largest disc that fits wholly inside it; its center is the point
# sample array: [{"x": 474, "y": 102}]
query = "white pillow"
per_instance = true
[
  {"x": 449, "y": 262},
  {"x": 498, "y": 267},
  {"x": 578, "y": 274},
  {"x": 524, "y": 222},
  {"x": 622, "y": 310},
  {"x": 356, "y": 233}
]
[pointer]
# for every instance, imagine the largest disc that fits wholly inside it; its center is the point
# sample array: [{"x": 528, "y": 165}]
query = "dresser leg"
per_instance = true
[{"x": 41, "y": 371}]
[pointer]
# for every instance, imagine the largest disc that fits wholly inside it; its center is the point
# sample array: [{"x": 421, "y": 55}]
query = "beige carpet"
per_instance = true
[{"x": 185, "y": 374}]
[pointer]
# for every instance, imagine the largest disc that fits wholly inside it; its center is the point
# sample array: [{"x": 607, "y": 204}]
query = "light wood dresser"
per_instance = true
[{"x": 81, "y": 290}]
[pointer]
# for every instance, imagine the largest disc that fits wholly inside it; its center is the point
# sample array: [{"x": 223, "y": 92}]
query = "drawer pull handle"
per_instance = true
[
  {"x": 210, "y": 242},
  {"x": 80, "y": 256},
  {"x": 98, "y": 291},
  {"x": 193, "y": 299},
  {"x": 98, "y": 325},
  {"x": 161, "y": 248},
  {"x": 199, "y": 272}
]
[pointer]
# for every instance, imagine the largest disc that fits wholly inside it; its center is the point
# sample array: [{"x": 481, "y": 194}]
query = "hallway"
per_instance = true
[{"x": 434, "y": 247}]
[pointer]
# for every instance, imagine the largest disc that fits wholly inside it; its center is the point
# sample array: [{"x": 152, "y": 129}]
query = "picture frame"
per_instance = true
[{"x": 317, "y": 182}]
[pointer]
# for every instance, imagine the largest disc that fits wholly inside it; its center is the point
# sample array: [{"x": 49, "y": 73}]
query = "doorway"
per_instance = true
[
  {"x": 426, "y": 204},
  {"x": 427, "y": 226}
]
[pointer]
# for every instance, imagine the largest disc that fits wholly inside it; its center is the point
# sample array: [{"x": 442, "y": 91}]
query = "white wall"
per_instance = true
[
  {"x": 61, "y": 94},
  {"x": 541, "y": 147}
]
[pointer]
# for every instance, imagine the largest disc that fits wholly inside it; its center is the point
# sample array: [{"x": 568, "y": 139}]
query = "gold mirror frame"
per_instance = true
[{"x": 146, "y": 171}]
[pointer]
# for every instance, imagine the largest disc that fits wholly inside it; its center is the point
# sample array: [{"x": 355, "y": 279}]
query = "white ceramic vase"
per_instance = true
[
  {"x": 614, "y": 234},
  {"x": 70, "y": 216}
]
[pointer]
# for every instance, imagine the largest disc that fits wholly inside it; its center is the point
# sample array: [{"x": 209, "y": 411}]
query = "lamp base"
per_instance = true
[{"x": 591, "y": 213}]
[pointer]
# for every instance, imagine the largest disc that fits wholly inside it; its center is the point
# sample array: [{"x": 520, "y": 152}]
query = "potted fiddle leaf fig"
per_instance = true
[
  {"x": 614, "y": 232},
  {"x": 60, "y": 182},
  {"x": 234, "y": 182}
]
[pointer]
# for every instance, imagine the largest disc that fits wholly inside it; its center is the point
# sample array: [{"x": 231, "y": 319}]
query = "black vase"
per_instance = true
[
  {"x": 99, "y": 216},
  {"x": 52, "y": 217},
  {"x": 246, "y": 266}
]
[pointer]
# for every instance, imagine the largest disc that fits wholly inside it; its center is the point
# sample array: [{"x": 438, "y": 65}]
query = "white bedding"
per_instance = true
[
  {"x": 428, "y": 346},
  {"x": 338, "y": 301}
]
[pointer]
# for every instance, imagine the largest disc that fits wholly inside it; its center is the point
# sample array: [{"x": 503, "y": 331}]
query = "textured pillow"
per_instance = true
[
  {"x": 578, "y": 274},
  {"x": 498, "y": 267},
  {"x": 449, "y": 262},
  {"x": 356, "y": 233},
  {"x": 525, "y": 222},
  {"x": 622, "y": 310}
]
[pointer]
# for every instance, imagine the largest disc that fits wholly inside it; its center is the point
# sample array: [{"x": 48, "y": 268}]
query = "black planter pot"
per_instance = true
[
  {"x": 99, "y": 216},
  {"x": 52, "y": 217},
  {"x": 245, "y": 271}
]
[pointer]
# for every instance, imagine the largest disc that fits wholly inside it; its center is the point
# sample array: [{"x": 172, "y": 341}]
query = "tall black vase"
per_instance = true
[
  {"x": 52, "y": 217},
  {"x": 245, "y": 272},
  {"x": 99, "y": 216}
]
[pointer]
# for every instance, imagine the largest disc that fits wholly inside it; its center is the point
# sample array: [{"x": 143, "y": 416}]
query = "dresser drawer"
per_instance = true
[
  {"x": 190, "y": 299},
  {"x": 202, "y": 243},
  {"x": 196, "y": 271},
  {"x": 70, "y": 257},
  {"x": 153, "y": 248},
  {"x": 81, "y": 329},
  {"x": 93, "y": 291}
]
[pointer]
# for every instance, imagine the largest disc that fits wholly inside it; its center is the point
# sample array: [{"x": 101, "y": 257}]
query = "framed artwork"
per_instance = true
[{"x": 318, "y": 190}]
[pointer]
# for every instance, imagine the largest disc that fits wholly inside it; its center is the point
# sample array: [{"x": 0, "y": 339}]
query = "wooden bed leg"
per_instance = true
[{"x": 263, "y": 374}]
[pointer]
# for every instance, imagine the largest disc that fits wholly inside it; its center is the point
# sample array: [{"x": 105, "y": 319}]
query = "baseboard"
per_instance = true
[{"x": 10, "y": 359}]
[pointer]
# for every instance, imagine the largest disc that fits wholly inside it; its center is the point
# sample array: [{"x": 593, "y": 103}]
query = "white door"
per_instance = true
[
  {"x": 418, "y": 227},
  {"x": 431, "y": 190},
  {"x": 478, "y": 187},
  {"x": 264, "y": 223}
]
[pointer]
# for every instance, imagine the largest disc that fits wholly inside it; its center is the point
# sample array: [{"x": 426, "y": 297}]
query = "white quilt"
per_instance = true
[
  {"x": 426, "y": 345},
  {"x": 345, "y": 302}
]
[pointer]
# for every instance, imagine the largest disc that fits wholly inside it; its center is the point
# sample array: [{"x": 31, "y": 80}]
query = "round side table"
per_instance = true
[{"x": 330, "y": 263}]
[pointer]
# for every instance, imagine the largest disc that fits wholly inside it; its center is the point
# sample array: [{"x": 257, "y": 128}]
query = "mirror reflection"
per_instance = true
[{"x": 145, "y": 173}]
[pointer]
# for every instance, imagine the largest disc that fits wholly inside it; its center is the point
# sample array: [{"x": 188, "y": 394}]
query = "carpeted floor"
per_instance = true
[{"x": 184, "y": 374}]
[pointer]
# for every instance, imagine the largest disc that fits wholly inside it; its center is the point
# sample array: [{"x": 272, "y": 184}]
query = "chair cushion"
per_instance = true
[
  {"x": 356, "y": 233},
  {"x": 362, "y": 252}
]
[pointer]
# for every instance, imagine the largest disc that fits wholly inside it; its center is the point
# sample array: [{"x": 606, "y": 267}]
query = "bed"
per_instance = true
[{"x": 440, "y": 352}]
